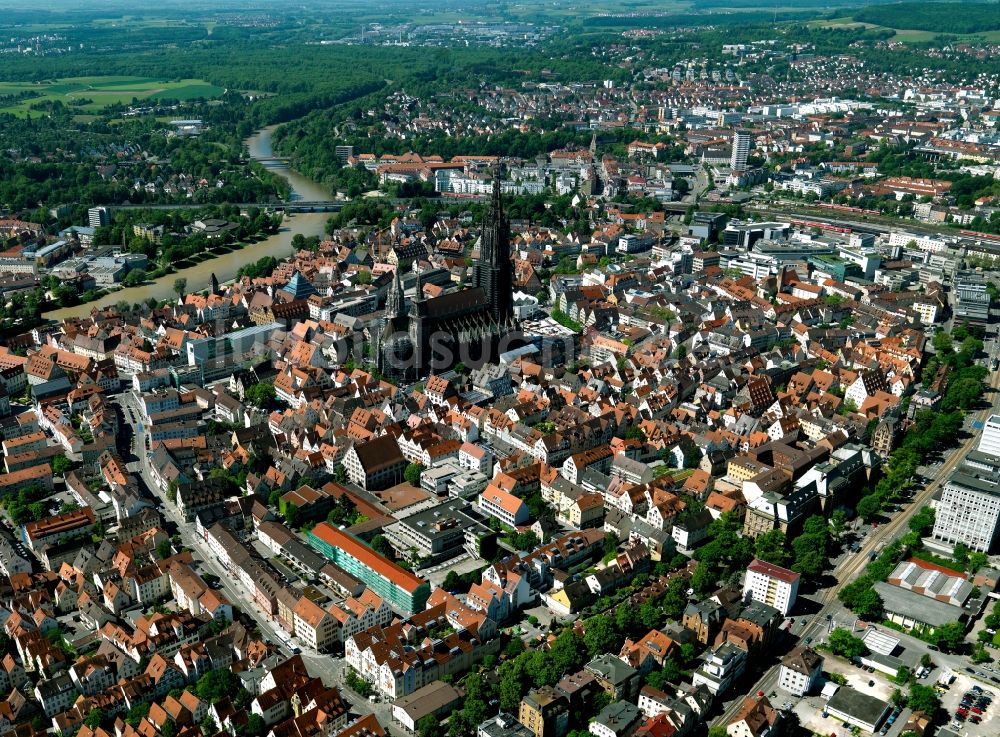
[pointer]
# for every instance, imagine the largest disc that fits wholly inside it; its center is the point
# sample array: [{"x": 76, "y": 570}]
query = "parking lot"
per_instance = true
[
  {"x": 810, "y": 709},
  {"x": 963, "y": 694}
]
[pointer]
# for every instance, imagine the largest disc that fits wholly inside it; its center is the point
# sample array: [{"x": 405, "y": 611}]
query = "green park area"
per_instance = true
[{"x": 91, "y": 94}]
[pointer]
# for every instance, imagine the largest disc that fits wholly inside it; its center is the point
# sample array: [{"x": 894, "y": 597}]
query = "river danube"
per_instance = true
[{"x": 226, "y": 265}]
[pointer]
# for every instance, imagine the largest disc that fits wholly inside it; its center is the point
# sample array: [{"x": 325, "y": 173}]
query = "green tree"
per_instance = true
[
  {"x": 261, "y": 394},
  {"x": 922, "y": 522},
  {"x": 627, "y": 620},
  {"x": 527, "y": 541},
  {"x": 868, "y": 605},
  {"x": 381, "y": 545},
  {"x": 976, "y": 561},
  {"x": 357, "y": 684},
  {"x": 568, "y": 651},
  {"x": 838, "y": 523},
  {"x": 256, "y": 726},
  {"x": 922, "y": 698},
  {"x": 961, "y": 553},
  {"x": 810, "y": 547},
  {"x": 163, "y": 549},
  {"x": 134, "y": 277},
  {"x": 674, "y": 598},
  {"x": 94, "y": 718},
  {"x": 950, "y": 636},
  {"x": 135, "y": 715},
  {"x": 217, "y": 685},
  {"x": 869, "y": 507},
  {"x": 770, "y": 547},
  {"x": 412, "y": 473},
  {"x": 601, "y": 636},
  {"x": 208, "y": 726},
  {"x": 429, "y": 726},
  {"x": 180, "y": 286},
  {"x": 671, "y": 673},
  {"x": 60, "y": 465},
  {"x": 846, "y": 645},
  {"x": 511, "y": 688},
  {"x": 610, "y": 544},
  {"x": 898, "y": 698}
]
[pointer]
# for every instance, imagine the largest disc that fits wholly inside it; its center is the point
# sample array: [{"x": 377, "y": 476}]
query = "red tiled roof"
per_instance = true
[
  {"x": 381, "y": 565},
  {"x": 773, "y": 571}
]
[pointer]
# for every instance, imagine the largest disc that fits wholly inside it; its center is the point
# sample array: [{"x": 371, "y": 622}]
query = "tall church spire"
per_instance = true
[
  {"x": 418, "y": 296},
  {"x": 494, "y": 273},
  {"x": 395, "y": 301}
]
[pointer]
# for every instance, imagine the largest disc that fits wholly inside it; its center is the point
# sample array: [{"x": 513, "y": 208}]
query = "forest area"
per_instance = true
[{"x": 962, "y": 17}]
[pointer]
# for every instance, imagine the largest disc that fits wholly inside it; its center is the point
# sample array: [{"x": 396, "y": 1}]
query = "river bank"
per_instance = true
[{"x": 226, "y": 265}]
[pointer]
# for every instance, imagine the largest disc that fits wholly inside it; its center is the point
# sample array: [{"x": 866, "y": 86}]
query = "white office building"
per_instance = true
[
  {"x": 969, "y": 509},
  {"x": 989, "y": 441}
]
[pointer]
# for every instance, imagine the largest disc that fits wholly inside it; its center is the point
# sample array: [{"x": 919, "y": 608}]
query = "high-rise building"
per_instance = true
[
  {"x": 989, "y": 441},
  {"x": 742, "y": 143},
  {"x": 98, "y": 217},
  {"x": 343, "y": 153},
  {"x": 772, "y": 585},
  {"x": 969, "y": 509},
  {"x": 972, "y": 300}
]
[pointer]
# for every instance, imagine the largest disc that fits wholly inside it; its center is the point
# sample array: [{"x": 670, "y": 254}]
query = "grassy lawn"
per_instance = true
[{"x": 104, "y": 91}]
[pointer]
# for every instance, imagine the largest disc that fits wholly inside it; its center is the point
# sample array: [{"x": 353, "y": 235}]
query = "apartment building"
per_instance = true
[
  {"x": 772, "y": 585},
  {"x": 545, "y": 712},
  {"x": 721, "y": 668},
  {"x": 504, "y": 506},
  {"x": 377, "y": 464},
  {"x": 801, "y": 670},
  {"x": 52, "y": 530},
  {"x": 315, "y": 626}
]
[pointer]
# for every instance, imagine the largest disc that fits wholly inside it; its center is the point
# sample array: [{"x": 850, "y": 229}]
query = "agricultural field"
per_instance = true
[{"x": 92, "y": 94}]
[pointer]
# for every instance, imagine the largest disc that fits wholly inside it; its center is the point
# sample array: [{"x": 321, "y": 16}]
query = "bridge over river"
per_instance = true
[{"x": 307, "y": 212}]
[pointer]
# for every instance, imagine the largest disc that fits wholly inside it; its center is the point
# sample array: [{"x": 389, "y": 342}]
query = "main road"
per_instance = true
[
  {"x": 226, "y": 265},
  {"x": 852, "y": 566}
]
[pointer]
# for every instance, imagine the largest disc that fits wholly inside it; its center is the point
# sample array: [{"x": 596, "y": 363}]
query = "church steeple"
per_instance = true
[
  {"x": 395, "y": 302},
  {"x": 493, "y": 272}
]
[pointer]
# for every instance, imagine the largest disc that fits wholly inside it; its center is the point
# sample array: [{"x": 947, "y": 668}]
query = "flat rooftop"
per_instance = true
[{"x": 857, "y": 705}]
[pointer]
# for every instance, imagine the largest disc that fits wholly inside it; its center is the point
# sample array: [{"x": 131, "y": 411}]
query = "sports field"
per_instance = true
[{"x": 95, "y": 93}]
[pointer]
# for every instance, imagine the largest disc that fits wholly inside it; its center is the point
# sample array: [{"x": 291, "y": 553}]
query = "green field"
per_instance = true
[
  {"x": 104, "y": 91},
  {"x": 905, "y": 34}
]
